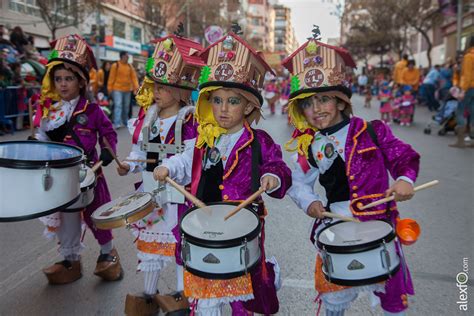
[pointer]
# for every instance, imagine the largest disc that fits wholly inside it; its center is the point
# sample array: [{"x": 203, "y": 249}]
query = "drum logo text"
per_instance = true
[{"x": 212, "y": 234}]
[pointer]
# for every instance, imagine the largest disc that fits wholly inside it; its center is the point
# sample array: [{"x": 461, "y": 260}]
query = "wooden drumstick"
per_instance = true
[
  {"x": 244, "y": 203},
  {"x": 109, "y": 148},
  {"x": 188, "y": 195},
  {"x": 341, "y": 217},
  {"x": 390, "y": 198},
  {"x": 142, "y": 160},
  {"x": 97, "y": 165}
]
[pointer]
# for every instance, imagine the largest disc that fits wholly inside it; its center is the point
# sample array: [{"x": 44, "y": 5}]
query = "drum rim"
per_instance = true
[
  {"x": 228, "y": 243},
  {"x": 123, "y": 217},
  {"x": 360, "y": 282},
  {"x": 355, "y": 248},
  {"x": 60, "y": 208},
  {"x": 90, "y": 186},
  {"x": 40, "y": 164},
  {"x": 224, "y": 276}
]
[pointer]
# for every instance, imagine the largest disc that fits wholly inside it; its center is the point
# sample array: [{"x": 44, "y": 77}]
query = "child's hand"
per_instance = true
[
  {"x": 160, "y": 173},
  {"x": 269, "y": 182},
  {"x": 316, "y": 209},
  {"x": 123, "y": 169},
  {"x": 402, "y": 190}
]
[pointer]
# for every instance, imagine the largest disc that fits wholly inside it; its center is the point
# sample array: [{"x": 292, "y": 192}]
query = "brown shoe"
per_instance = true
[
  {"x": 108, "y": 266},
  {"x": 173, "y": 302},
  {"x": 63, "y": 272},
  {"x": 140, "y": 305}
]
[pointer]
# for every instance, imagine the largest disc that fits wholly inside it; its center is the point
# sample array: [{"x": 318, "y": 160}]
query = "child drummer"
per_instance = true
[
  {"x": 219, "y": 163},
  {"x": 351, "y": 159},
  {"x": 165, "y": 118},
  {"x": 64, "y": 115}
]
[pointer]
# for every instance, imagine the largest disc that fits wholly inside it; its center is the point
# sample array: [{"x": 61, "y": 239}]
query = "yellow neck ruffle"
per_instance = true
[
  {"x": 208, "y": 129},
  {"x": 302, "y": 136}
]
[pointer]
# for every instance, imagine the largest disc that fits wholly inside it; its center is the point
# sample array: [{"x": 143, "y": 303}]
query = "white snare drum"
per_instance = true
[
  {"x": 358, "y": 253},
  {"x": 37, "y": 178},
  {"x": 124, "y": 210},
  {"x": 87, "y": 192},
  {"x": 216, "y": 249}
]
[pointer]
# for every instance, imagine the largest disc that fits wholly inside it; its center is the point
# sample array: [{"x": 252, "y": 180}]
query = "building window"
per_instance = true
[
  {"x": 119, "y": 28},
  {"x": 24, "y": 6},
  {"x": 136, "y": 34}
]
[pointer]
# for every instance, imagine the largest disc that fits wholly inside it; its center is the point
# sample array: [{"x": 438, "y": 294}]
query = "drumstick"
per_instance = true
[
  {"x": 390, "y": 198},
  {"x": 107, "y": 145},
  {"x": 142, "y": 160},
  {"x": 188, "y": 195},
  {"x": 97, "y": 165},
  {"x": 30, "y": 112},
  {"x": 244, "y": 203},
  {"x": 341, "y": 217}
]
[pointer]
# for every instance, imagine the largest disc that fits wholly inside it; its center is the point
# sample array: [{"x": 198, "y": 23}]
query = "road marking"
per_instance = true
[
  {"x": 28, "y": 271},
  {"x": 301, "y": 284}
]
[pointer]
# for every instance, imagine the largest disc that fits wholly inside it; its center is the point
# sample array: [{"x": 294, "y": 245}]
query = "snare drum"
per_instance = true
[
  {"x": 358, "y": 253},
  {"x": 124, "y": 210},
  {"x": 37, "y": 178},
  {"x": 213, "y": 248},
  {"x": 87, "y": 192}
]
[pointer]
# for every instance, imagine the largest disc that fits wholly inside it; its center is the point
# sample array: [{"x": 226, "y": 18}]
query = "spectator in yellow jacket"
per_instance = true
[
  {"x": 410, "y": 76},
  {"x": 121, "y": 83},
  {"x": 398, "y": 69},
  {"x": 93, "y": 82},
  {"x": 466, "y": 83},
  {"x": 103, "y": 77}
]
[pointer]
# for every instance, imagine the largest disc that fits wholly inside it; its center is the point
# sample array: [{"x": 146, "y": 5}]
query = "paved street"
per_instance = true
[{"x": 444, "y": 212}]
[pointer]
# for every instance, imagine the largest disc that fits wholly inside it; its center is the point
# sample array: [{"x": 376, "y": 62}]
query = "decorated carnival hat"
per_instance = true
[
  {"x": 233, "y": 64},
  {"x": 315, "y": 68},
  {"x": 74, "y": 50},
  {"x": 175, "y": 62},
  {"x": 74, "y": 53}
]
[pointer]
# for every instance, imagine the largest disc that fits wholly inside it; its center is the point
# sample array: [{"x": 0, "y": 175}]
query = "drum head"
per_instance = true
[
  {"x": 89, "y": 180},
  {"x": 34, "y": 155},
  {"x": 122, "y": 211},
  {"x": 342, "y": 237},
  {"x": 207, "y": 225}
]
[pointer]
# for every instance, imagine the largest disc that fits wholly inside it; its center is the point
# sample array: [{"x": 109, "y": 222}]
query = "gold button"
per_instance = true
[
  {"x": 161, "y": 129},
  {"x": 359, "y": 204},
  {"x": 226, "y": 197},
  {"x": 351, "y": 178},
  {"x": 354, "y": 195},
  {"x": 355, "y": 187},
  {"x": 221, "y": 187},
  {"x": 162, "y": 138},
  {"x": 224, "y": 158}
]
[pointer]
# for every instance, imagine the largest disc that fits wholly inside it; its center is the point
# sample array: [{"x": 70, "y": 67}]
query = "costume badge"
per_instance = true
[
  {"x": 154, "y": 130},
  {"x": 82, "y": 119},
  {"x": 214, "y": 155},
  {"x": 329, "y": 150}
]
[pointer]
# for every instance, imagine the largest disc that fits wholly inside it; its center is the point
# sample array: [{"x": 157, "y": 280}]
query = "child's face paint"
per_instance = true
[
  {"x": 322, "y": 111},
  {"x": 229, "y": 109}
]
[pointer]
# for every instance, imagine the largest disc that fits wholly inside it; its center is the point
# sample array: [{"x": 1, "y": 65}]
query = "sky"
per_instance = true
[{"x": 305, "y": 13}]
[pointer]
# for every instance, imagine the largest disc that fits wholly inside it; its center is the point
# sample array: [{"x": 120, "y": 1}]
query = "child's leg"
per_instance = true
[
  {"x": 336, "y": 303},
  {"x": 208, "y": 307},
  {"x": 179, "y": 278}
]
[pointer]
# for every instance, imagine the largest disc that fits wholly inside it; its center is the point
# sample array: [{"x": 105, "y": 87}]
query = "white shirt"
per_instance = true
[
  {"x": 59, "y": 113},
  {"x": 302, "y": 191}
]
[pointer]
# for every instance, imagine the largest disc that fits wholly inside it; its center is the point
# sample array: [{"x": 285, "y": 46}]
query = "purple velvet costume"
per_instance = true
[{"x": 366, "y": 169}]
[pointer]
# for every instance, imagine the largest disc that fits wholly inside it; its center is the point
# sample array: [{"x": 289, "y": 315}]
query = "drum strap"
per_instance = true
[
  {"x": 70, "y": 130},
  {"x": 372, "y": 134},
  {"x": 256, "y": 162}
]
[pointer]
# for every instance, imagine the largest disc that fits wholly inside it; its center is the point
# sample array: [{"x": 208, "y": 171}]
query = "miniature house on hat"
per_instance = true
[
  {"x": 73, "y": 49},
  {"x": 176, "y": 62},
  {"x": 232, "y": 63},
  {"x": 318, "y": 67}
]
